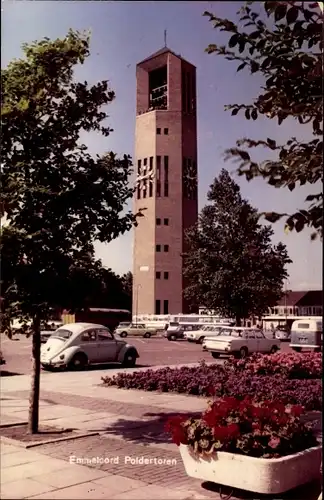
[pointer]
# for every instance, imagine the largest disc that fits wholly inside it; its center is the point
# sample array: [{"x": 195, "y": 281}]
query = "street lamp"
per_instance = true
[
  {"x": 136, "y": 303},
  {"x": 142, "y": 269}
]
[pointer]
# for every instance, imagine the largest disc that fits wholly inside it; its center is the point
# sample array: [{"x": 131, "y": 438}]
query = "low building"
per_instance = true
[{"x": 300, "y": 303}]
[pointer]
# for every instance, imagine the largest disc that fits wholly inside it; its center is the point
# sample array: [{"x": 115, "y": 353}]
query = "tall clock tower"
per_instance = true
[{"x": 166, "y": 160}]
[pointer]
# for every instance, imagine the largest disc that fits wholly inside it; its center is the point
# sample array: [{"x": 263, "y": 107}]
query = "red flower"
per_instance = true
[
  {"x": 233, "y": 431},
  {"x": 221, "y": 433},
  {"x": 296, "y": 410},
  {"x": 175, "y": 427},
  {"x": 179, "y": 436},
  {"x": 274, "y": 442},
  {"x": 175, "y": 422},
  {"x": 211, "y": 390}
]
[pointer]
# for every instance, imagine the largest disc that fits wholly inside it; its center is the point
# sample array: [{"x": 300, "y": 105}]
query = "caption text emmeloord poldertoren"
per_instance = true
[{"x": 127, "y": 459}]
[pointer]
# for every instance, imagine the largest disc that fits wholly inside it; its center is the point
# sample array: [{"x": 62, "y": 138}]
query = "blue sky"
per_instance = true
[{"x": 124, "y": 33}]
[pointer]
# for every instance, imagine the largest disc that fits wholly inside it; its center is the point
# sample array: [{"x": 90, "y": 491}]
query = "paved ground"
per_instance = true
[
  {"x": 154, "y": 351},
  {"x": 131, "y": 426}
]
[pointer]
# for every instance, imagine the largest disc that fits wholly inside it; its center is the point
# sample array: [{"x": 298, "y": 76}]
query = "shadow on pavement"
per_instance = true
[
  {"x": 5, "y": 373},
  {"x": 91, "y": 368},
  {"x": 148, "y": 431},
  {"x": 112, "y": 366}
]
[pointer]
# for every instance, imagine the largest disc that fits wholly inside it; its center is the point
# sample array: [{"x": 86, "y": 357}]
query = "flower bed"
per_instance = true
[
  {"x": 206, "y": 380},
  {"x": 291, "y": 365},
  {"x": 307, "y": 393},
  {"x": 196, "y": 380},
  {"x": 268, "y": 429}
]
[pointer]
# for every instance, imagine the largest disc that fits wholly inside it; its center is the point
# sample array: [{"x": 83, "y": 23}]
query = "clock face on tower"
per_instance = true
[{"x": 189, "y": 177}]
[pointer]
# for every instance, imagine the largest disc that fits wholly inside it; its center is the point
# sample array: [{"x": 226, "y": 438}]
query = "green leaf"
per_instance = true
[
  {"x": 299, "y": 224},
  {"x": 254, "y": 67},
  {"x": 235, "y": 111},
  {"x": 254, "y": 114},
  {"x": 272, "y": 143},
  {"x": 291, "y": 186},
  {"x": 280, "y": 11},
  {"x": 272, "y": 217},
  {"x": 241, "y": 46},
  {"x": 254, "y": 35},
  {"x": 292, "y": 15},
  {"x": 244, "y": 155},
  {"x": 247, "y": 114},
  {"x": 233, "y": 41},
  {"x": 241, "y": 66}
]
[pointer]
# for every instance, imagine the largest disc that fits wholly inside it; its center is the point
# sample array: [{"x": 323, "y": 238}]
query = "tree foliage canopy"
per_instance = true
[
  {"x": 231, "y": 265},
  {"x": 283, "y": 42},
  {"x": 57, "y": 198}
]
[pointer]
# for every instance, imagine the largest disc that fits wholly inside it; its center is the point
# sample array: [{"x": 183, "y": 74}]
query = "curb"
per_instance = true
[{"x": 30, "y": 444}]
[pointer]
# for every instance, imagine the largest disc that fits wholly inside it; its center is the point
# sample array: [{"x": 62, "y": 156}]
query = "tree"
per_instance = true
[
  {"x": 56, "y": 197},
  {"x": 115, "y": 293},
  {"x": 231, "y": 265},
  {"x": 127, "y": 283},
  {"x": 284, "y": 44}
]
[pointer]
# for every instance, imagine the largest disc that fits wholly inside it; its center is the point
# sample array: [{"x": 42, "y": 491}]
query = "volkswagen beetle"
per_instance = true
[{"x": 78, "y": 345}]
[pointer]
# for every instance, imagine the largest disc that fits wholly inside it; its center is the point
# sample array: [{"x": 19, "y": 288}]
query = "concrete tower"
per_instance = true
[{"x": 166, "y": 147}]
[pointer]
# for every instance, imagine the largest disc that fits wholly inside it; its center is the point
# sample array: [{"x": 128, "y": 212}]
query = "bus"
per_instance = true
[{"x": 162, "y": 321}]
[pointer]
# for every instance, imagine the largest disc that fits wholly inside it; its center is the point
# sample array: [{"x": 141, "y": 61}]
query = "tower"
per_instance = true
[{"x": 166, "y": 159}]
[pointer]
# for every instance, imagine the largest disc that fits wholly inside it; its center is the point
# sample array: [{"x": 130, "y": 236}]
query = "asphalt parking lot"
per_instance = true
[{"x": 154, "y": 351}]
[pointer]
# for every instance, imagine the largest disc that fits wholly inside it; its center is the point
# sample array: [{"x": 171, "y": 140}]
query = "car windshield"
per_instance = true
[
  {"x": 173, "y": 324},
  {"x": 231, "y": 333},
  {"x": 63, "y": 334}
]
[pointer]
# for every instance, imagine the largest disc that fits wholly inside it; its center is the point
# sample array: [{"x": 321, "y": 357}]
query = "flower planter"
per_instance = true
[{"x": 259, "y": 475}]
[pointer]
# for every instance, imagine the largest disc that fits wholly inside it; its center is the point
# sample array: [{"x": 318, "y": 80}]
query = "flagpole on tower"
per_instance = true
[{"x": 165, "y": 38}]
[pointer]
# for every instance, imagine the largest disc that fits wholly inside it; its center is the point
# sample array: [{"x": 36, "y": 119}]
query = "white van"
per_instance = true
[{"x": 307, "y": 333}]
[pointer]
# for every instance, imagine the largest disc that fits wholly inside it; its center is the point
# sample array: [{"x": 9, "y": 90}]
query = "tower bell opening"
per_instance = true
[{"x": 158, "y": 88}]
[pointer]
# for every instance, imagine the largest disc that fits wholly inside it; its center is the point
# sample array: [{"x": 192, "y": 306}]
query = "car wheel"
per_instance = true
[
  {"x": 147, "y": 335},
  {"x": 46, "y": 367},
  {"x": 215, "y": 355},
  {"x": 273, "y": 349},
  {"x": 173, "y": 337},
  {"x": 129, "y": 360},
  {"x": 78, "y": 362},
  {"x": 123, "y": 334},
  {"x": 243, "y": 352},
  {"x": 200, "y": 341}
]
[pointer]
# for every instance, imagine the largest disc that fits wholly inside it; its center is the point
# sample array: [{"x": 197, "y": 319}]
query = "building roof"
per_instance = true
[
  {"x": 164, "y": 50},
  {"x": 312, "y": 298},
  {"x": 302, "y": 298}
]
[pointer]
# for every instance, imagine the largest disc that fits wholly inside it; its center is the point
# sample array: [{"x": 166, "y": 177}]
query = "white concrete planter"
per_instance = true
[{"x": 259, "y": 475}]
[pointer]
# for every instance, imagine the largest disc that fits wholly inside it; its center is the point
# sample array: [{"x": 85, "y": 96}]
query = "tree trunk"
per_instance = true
[
  {"x": 33, "y": 415},
  {"x": 238, "y": 320}
]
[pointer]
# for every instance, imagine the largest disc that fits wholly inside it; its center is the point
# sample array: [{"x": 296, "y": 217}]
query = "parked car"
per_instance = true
[
  {"x": 307, "y": 334},
  {"x": 240, "y": 342},
  {"x": 176, "y": 331},
  {"x": 282, "y": 334},
  {"x": 48, "y": 329},
  {"x": 77, "y": 345},
  {"x": 135, "y": 330},
  {"x": 205, "y": 331}
]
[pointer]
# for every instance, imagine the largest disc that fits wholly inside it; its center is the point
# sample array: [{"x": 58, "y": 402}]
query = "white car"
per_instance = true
[
  {"x": 240, "y": 342},
  {"x": 77, "y": 345},
  {"x": 205, "y": 331}
]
